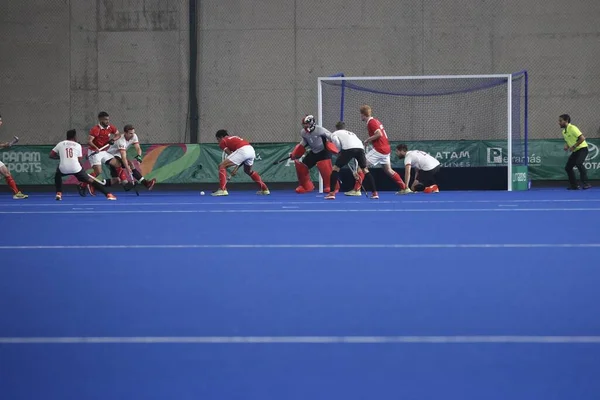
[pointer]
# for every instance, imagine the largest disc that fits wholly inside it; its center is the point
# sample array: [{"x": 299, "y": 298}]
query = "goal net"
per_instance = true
[{"x": 464, "y": 121}]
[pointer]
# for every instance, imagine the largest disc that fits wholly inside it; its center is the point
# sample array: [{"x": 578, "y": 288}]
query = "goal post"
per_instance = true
[{"x": 480, "y": 117}]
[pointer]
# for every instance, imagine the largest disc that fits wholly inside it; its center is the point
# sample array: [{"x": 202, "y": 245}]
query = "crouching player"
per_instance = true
[
  {"x": 316, "y": 137},
  {"x": 239, "y": 151},
  {"x": 350, "y": 147},
  {"x": 69, "y": 153},
  {"x": 426, "y": 168},
  {"x": 119, "y": 151}
]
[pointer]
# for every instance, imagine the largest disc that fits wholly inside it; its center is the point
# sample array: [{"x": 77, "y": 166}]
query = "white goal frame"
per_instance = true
[{"x": 508, "y": 78}]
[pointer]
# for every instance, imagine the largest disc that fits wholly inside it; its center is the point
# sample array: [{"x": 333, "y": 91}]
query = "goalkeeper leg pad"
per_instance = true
[
  {"x": 325, "y": 168},
  {"x": 305, "y": 184}
]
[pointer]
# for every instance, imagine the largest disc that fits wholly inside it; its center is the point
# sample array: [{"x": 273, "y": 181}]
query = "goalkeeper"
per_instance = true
[
  {"x": 319, "y": 140},
  {"x": 119, "y": 151}
]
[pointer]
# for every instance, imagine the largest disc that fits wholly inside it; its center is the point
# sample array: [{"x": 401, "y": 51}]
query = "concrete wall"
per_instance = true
[{"x": 63, "y": 61}]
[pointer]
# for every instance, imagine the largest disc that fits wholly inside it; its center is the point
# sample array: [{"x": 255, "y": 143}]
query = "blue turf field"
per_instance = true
[{"x": 459, "y": 295}]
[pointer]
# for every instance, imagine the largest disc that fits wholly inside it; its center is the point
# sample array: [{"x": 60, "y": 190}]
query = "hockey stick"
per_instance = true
[
  {"x": 354, "y": 170},
  {"x": 233, "y": 172},
  {"x": 13, "y": 142},
  {"x": 101, "y": 149},
  {"x": 282, "y": 160}
]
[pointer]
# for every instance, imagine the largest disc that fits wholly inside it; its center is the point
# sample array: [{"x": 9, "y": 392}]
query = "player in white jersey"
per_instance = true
[
  {"x": 426, "y": 168},
  {"x": 350, "y": 147},
  {"x": 7, "y": 175},
  {"x": 119, "y": 151},
  {"x": 317, "y": 139},
  {"x": 69, "y": 153}
]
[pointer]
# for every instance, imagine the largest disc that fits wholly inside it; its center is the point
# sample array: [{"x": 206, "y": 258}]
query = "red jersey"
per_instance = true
[
  {"x": 382, "y": 144},
  {"x": 101, "y": 135},
  {"x": 233, "y": 143}
]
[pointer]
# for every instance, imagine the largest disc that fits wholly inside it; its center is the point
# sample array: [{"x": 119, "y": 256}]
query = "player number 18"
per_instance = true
[{"x": 69, "y": 152}]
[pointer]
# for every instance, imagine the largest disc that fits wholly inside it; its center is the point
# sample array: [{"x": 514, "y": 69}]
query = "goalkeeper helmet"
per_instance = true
[{"x": 308, "y": 122}]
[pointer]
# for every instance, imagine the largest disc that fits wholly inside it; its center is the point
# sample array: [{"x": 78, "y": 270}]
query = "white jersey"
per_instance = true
[
  {"x": 420, "y": 160},
  {"x": 344, "y": 140},
  {"x": 315, "y": 139},
  {"x": 122, "y": 144},
  {"x": 69, "y": 153}
]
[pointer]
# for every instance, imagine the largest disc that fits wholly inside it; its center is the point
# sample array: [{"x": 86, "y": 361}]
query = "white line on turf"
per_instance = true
[
  {"x": 307, "y": 246},
  {"x": 400, "y": 200},
  {"x": 305, "y": 340},
  {"x": 309, "y": 210}
]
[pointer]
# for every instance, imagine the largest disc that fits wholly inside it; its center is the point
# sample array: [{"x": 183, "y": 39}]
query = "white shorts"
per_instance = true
[
  {"x": 375, "y": 158},
  {"x": 243, "y": 155},
  {"x": 2, "y": 164},
  {"x": 101, "y": 158}
]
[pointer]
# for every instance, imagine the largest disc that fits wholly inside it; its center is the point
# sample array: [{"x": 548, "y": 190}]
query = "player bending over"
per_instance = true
[
  {"x": 100, "y": 138},
  {"x": 426, "y": 168},
  {"x": 379, "y": 154},
  {"x": 316, "y": 137},
  {"x": 6, "y": 173},
  {"x": 119, "y": 151},
  {"x": 69, "y": 153},
  {"x": 350, "y": 147},
  {"x": 239, "y": 151}
]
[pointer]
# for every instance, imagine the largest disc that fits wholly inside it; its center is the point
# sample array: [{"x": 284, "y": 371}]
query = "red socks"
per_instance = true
[
  {"x": 359, "y": 181},
  {"x": 11, "y": 183},
  {"x": 398, "y": 180},
  {"x": 256, "y": 178},
  {"x": 222, "y": 178}
]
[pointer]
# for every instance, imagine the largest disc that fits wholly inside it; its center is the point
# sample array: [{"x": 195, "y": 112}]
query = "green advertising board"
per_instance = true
[{"x": 197, "y": 163}]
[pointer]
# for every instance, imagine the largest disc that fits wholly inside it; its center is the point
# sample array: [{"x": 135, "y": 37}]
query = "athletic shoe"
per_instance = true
[
  {"x": 220, "y": 192},
  {"x": 20, "y": 196},
  {"x": 353, "y": 193},
  {"x": 110, "y": 197},
  {"x": 82, "y": 190},
  {"x": 405, "y": 191},
  {"x": 91, "y": 189},
  {"x": 301, "y": 190},
  {"x": 150, "y": 184},
  {"x": 265, "y": 192},
  {"x": 374, "y": 196},
  {"x": 330, "y": 196},
  {"x": 573, "y": 188},
  {"x": 587, "y": 186},
  {"x": 431, "y": 189},
  {"x": 58, "y": 196}
]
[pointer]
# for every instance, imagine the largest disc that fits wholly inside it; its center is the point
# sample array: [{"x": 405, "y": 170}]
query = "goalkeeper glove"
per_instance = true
[{"x": 138, "y": 158}]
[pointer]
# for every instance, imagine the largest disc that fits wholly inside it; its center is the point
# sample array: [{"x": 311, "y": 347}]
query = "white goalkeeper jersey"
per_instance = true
[
  {"x": 315, "y": 139},
  {"x": 345, "y": 140},
  {"x": 420, "y": 160}
]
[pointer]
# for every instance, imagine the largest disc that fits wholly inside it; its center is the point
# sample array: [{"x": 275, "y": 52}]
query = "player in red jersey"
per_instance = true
[
  {"x": 7, "y": 175},
  {"x": 379, "y": 154},
  {"x": 99, "y": 140},
  {"x": 239, "y": 151}
]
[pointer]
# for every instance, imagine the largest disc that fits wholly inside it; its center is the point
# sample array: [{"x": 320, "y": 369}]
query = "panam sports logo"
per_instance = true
[{"x": 592, "y": 161}]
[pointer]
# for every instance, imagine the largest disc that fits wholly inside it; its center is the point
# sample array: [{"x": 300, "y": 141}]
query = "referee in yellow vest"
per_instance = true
[{"x": 575, "y": 142}]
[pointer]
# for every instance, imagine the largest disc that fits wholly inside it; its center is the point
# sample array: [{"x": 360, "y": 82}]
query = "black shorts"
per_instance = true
[
  {"x": 312, "y": 159},
  {"x": 81, "y": 176},
  {"x": 427, "y": 178},
  {"x": 345, "y": 156}
]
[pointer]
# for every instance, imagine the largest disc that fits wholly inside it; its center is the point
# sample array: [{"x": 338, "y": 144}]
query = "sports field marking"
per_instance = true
[
  {"x": 309, "y": 210},
  {"x": 306, "y": 340},
  {"x": 400, "y": 200},
  {"x": 308, "y": 246}
]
